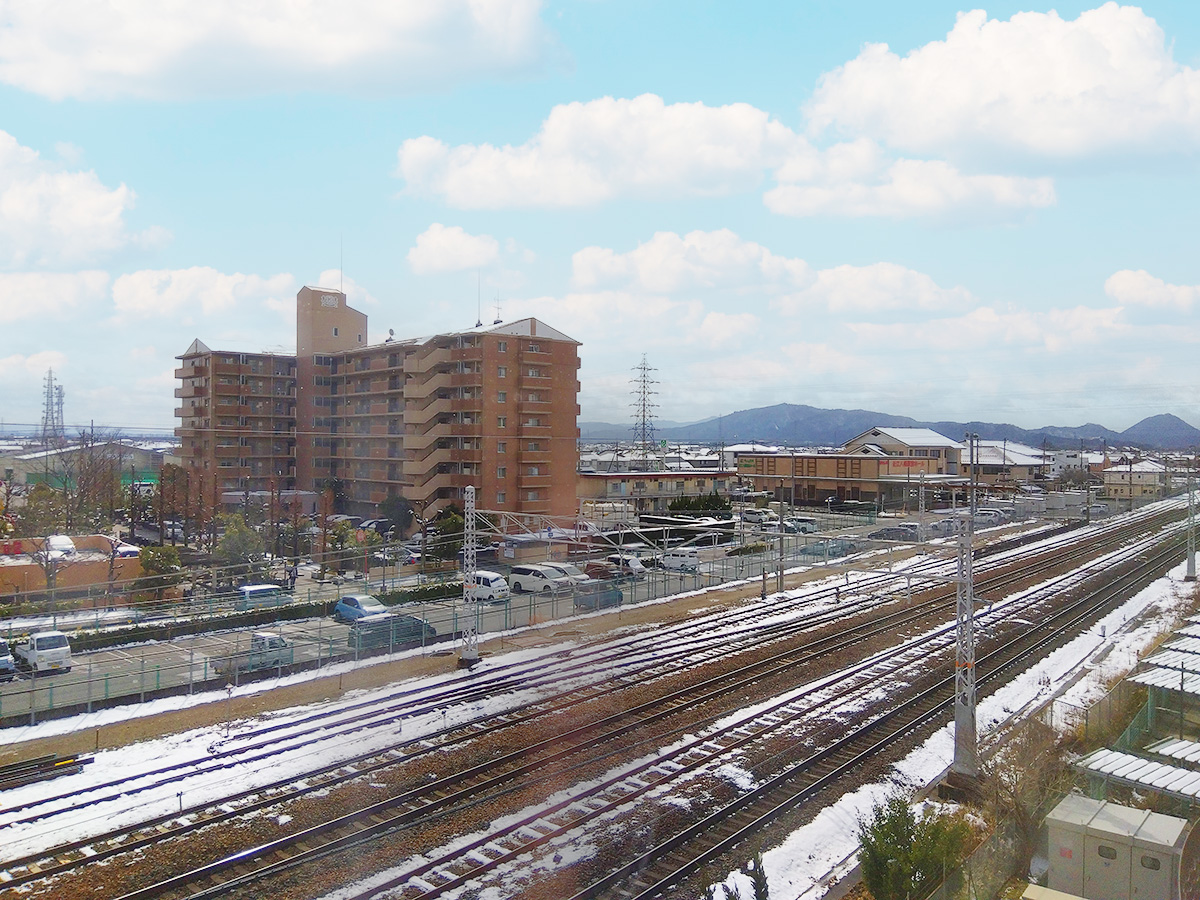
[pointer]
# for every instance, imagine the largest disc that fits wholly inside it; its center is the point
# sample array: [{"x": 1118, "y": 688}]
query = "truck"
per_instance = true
[
  {"x": 46, "y": 651},
  {"x": 8, "y": 666},
  {"x": 267, "y": 651}
]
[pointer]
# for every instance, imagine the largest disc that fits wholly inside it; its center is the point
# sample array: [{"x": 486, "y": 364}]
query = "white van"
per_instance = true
[
  {"x": 539, "y": 578},
  {"x": 755, "y": 516},
  {"x": 254, "y": 596},
  {"x": 684, "y": 559},
  {"x": 46, "y": 651},
  {"x": 489, "y": 586}
]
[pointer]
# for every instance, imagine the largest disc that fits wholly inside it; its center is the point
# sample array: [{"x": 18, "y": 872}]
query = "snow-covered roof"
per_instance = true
[
  {"x": 993, "y": 453},
  {"x": 912, "y": 437}
]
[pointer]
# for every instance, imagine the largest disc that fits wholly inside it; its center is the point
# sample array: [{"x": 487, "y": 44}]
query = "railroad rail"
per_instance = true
[{"x": 687, "y": 653}]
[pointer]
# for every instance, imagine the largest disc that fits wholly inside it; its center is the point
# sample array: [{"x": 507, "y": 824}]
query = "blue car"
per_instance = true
[{"x": 353, "y": 607}]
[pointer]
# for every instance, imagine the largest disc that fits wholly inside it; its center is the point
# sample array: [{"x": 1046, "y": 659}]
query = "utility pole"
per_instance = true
[
  {"x": 1191, "y": 534},
  {"x": 966, "y": 739}
]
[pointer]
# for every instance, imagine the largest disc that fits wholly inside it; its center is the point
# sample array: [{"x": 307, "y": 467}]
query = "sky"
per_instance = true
[{"x": 922, "y": 210}]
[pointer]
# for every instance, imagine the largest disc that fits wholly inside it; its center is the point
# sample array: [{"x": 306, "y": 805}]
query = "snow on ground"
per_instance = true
[{"x": 810, "y": 860}]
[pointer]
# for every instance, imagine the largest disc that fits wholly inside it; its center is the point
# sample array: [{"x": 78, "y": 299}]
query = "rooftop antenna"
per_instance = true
[
  {"x": 478, "y": 300},
  {"x": 498, "y": 321},
  {"x": 341, "y": 262}
]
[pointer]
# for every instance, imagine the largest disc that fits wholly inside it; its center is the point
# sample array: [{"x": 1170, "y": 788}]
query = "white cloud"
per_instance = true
[
  {"x": 588, "y": 153},
  {"x": 1053, "y": 330},
  {"x": 148, "y": 48},
  {"x": 722, "y": 261},
  {"x": 1140, "y": 288},
  {"x": 1037, "y": 83},
  {"x": 876, "y": 287},
  {"x": 700, "y": 259},
  {"x": 910, "y": 187},
  {"x": 49, "y": 296},
  {"x": 451, "y": 249},
  {"x": 585, "y": 153},
  {"x": 176, "y": 292},
  {"x": 49, "y": 216},
  {"x": 20, "y": 366}
]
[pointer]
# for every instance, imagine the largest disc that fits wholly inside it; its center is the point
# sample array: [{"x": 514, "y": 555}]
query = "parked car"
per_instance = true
[
  {"x": 988, "y": 517},
  {"x": 567, "y": 570},
  {"x": 683, "y": 559},
  {"x": 803, "y": 524},
  {"x": 374, "y": 632},
  {"x": 755, "y": 516},
  {"x": 892, "y": 533},
  {"x": 1098, "y": 509},
  {"x": 600, "y": 570},
  {"x": 257, "y": 596},
  {"x": 489, "y": 587},
  {"x": 597, "y": 595},
  {"x": 626, "y": 565},
  {"x": 537, "y": 579},
  {"x": 8, "y": 665},
  {"x": 46, "y": 651},
  {"x": 355, "y": 606},
  {"x": 267, "y": 651}
]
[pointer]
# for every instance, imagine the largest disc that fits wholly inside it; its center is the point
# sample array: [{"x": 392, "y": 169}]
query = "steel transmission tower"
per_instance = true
[
  {"x": 53, "y": 430},
  {"x": 966, "y": 736},
  {"x": 643, "y": 411},
  {"x": 470, "y": 625}
]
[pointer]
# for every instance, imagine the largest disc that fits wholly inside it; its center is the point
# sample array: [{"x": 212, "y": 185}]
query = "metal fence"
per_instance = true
[{"x": 199, "y": 661}]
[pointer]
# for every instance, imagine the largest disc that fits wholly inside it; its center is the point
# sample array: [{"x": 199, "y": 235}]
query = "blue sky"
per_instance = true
[{"x": 942, "y": 213}]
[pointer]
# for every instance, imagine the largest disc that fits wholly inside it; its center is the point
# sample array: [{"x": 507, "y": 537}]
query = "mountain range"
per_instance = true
[{"x": 807, "y": 426}]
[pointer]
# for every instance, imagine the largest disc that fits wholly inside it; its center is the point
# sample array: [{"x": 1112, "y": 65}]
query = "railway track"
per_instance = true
[{"x": 406, "y": 751}]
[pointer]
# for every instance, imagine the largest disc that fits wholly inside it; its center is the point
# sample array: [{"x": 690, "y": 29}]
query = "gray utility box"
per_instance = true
[{"x": 1104, "y": 851}]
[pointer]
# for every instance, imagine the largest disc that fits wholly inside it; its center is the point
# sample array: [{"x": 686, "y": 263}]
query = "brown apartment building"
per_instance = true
[{"x": 420, "y": 418}]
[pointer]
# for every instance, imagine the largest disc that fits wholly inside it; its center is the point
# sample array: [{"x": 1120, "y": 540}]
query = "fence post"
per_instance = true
[
  {"x": 89, "y": 682},
  {"x": 142, "y": 677}
]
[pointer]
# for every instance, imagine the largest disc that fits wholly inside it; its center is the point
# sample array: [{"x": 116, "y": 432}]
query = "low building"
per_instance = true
[
  {"x": 1138, "y": 481},
  {"x": 649, "y": 491}
]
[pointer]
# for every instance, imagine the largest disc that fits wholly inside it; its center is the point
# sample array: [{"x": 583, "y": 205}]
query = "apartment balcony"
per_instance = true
[
  {"x": 226, "y": 369},
  {"x": 464, "y": 456},
  {"x": 533, "y": 507},
  {"x": 531, "y": 482},
  {"x": 443, "y": 481},
  {"x": 191, "y": 372},
  {"x": 466, "y": 354},
  {"x": 471, "y": 405},
  {"x": 233, "y": 451},
  {"x": 534, "y": 407},
  {"x": 191, "y": 390},
  {"x": 541, "y": 382},
  {"x": 466, "y": 379},
  {"x": 463, "y": 429},
  {"x": 534, "y": 457},
  {"x": 533, "y": 431}
]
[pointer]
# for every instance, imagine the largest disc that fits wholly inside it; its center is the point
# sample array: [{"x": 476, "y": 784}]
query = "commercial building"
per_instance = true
[
  {"x": 418, "y": 418},
  {"x": 883, "y": 466}
]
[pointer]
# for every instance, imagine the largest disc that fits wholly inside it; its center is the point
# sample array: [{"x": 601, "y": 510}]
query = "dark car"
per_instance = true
[
  {"x": 592, "y": 595},
  {"x": 8, "y": 666},
  {"x": 893, "y": 534},
  {"x": 374, "y": 632}
]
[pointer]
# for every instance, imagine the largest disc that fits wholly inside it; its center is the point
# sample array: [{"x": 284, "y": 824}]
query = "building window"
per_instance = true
[
  {"x": 531, "y": 495},
  {"x": 1106, "y": 852},
  {"x": 335, "y": 331},
  {"x": 502, "y": 371},
  {"x": 502, "y": 422},
  {"x": 502, "y": 347},
  {"x": 360, "y": 338},
  {"x": 502, "y": 397},
  {"x": 501, "y": 446},
  {"x": 1151, "y": 862},
  {"x": 502, "y": 472},
  {"x": 501, "y": 497}
]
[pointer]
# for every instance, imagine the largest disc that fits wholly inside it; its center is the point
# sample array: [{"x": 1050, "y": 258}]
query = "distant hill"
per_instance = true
[{"x": 793, "y": 424}]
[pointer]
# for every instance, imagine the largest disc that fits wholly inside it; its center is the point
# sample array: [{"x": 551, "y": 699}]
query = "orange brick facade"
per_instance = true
[{"x": 494, "y": 407}]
